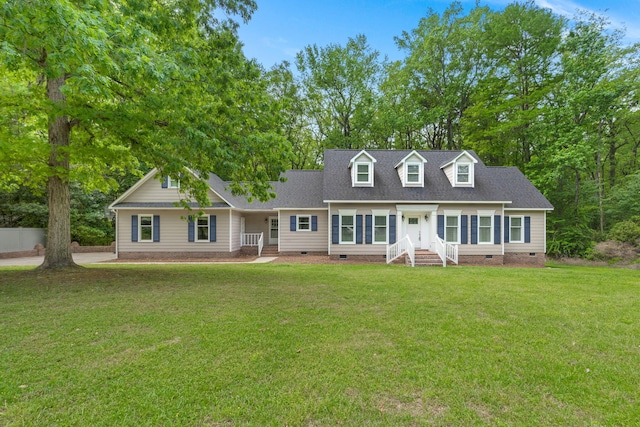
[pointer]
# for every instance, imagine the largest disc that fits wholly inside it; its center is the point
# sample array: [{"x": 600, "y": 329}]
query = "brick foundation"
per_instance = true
[
  {"x": 360, "y": 258},
  {"x": 480, "y": 260},
  {"x": 535, "y": 260},
  {"x": 177, "y": 255},
  {"x": 299, "y": 253}
]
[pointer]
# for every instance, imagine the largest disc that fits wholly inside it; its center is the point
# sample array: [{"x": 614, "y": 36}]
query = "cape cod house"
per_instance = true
[{"x": 374, "y": 204}]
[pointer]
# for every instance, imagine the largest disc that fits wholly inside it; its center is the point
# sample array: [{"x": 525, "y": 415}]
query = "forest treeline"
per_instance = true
[{"x": 521, "y": 86}]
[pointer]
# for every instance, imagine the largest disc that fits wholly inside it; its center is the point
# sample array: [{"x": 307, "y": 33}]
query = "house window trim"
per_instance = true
[
  {"x": 521, "y": 228},
  {"x": 173, "y": 183},
  {"x": 490, "y": 215},
  {"x": 298, "y": 227},
  {"x": 469, "y": 173},
  {"x": 347, "y": 213},
  {"x": 420, "y": 173},
  {"x": 140, "y": 240},
  {"x": 198, "y": 226},
  {"x": 369, "y": 181},
  {"x": 456, "y": 214},
  {"x": 379, "y": 213}
]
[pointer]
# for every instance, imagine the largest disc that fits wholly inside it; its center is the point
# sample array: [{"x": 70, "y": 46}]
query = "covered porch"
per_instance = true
[{"x": 260, "y": 230}]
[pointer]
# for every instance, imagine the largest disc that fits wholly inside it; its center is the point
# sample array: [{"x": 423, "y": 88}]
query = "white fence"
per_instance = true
[{"x": 21, "y": 239}]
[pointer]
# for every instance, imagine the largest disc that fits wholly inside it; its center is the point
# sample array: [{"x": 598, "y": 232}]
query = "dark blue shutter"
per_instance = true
[
  {"x": 368, "y": 229},
  {"x": 314, "y": 223},
  {"x": 474, "y": 229},
  {"x": 527, "y": 229},
  {"x": 134, "y": 228},
  {"x": 212, "y": 228},
  {"x": 359, "y": 229},
  {"x": 392, "y": 229},
  {"x": 292, "y": 223},
  {"x": 165, "y": 182},
  {"x": 464, "y": 230},
  {"x": 496, "y": 229},
  {"x": 191, "y": 229},
  {"x": 441, "y": 226},
  {"x": 335, "y": 229},
  {"x": 156, "y": 228},
  {"x": 507, "y": 227}
]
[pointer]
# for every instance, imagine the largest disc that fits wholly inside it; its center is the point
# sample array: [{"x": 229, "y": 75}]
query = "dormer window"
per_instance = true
[
  {"x": 411, "y": 170},
  {"x": 361, "y": 166},
  {"x": 463, "y": 173},
  {"x": 363, "y": 175},
  {"x": 413, "y": 173},
  {"x": 460, "y": 170}
]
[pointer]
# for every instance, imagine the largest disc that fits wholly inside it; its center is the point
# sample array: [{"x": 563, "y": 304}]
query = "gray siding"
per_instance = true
[
  {"x": 358, "y": 249},
  {"x": 537, "y": 233},
  {"x": 173, "y": 232},
  {"x": 480, "y": 248},
  {"x": 21, "y": 239},
  {"x": 299, "y": 241},
  {"x": 152, "y": 191}
]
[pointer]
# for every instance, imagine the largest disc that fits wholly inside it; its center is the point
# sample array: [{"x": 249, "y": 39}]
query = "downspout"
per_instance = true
[
  {"x": 230, "y": 231},
  {"x": 329, "y": 228},
  {"x": 116, "y": 232}
]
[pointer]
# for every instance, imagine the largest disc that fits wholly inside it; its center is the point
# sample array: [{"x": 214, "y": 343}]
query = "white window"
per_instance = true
[
  {"x": 451, "y": 229},
  {"x": 145, "y": 228},
  {"x": 380, "y": 229},
  {"x": 515, "y": 229},
  {"x": 174, "y": 183},
  {"x": 363, "y": 175},
  {"x": 347, "y": 228},
  {"x": 413, "y": 173},
  {"x": 202, "y": 229},
  {"x": 485, "y": 229},
  {"x": 304, "y": 223},
  {"x": 463, "y": 172}
]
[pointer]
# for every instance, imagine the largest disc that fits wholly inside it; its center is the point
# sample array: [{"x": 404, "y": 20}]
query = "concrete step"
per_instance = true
[{"x": 425, "y": 258}]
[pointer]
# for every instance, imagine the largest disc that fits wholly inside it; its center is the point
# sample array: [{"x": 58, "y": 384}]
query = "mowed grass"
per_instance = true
[{"x": 319, "y": 345}]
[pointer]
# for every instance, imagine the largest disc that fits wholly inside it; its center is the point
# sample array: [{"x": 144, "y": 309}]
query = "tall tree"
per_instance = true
[
  {"x": 106, "y": 84},
  {"x": 522, "y": 44},
  {"x": 340, "y": 83},
  {"x": 443, "y": 66}
]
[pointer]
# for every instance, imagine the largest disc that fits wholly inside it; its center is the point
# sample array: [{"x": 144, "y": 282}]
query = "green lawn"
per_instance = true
[{"x": 319, "y": 345}]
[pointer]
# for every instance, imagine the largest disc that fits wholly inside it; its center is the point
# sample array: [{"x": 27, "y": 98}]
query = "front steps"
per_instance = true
[
  {"x": 270, "y": 250},
  {"x": 425, "y": 258}
]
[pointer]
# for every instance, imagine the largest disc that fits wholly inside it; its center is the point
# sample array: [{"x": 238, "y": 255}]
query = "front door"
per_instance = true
[
  {"x": 414, "y": 230},
  {"x": 273, "y": 230}
]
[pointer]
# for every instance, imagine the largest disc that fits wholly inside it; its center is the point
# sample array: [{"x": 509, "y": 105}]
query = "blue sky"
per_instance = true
[{"x": 280, "y": 28}]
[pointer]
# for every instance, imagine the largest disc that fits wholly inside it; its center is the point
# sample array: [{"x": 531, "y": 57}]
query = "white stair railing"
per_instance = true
[
  {"x": 253, "y": 239},
  {"x": 401, "y": 247},
  {"x": 446, "y": 251}
]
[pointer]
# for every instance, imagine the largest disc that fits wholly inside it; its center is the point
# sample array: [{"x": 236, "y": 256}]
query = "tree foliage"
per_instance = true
[{"x": 97, "y": 87}]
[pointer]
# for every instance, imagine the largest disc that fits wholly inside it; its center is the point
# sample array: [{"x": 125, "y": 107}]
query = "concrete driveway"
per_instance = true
[{"x": 90, "y": 258}]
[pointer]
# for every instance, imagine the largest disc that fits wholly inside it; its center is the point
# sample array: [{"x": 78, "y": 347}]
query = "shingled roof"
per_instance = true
[
  {"x": 302, "y": 189},
  {"x": 492, "y": 184}
]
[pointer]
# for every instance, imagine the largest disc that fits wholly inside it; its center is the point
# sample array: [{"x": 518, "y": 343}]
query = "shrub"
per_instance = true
[
  {"x": 627, "y": 231},
  {"x": 613, "y": 251}
]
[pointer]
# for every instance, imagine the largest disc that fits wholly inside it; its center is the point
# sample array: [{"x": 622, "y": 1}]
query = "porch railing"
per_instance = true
[
  {"x": 401, "y": 247},
  {"x": 253, "y": 239},
  {"x": 446, "y": 251}
]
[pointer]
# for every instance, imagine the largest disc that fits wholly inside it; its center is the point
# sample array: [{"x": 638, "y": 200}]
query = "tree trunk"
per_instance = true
[{"x": 58, "y": 253}]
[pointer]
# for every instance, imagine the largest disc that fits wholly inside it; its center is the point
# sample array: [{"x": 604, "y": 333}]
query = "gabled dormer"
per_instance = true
[
  {"x": 411, "y": 170},
  {"x": 461, "y": 170},
  {"x": 361, "y": 166}
]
